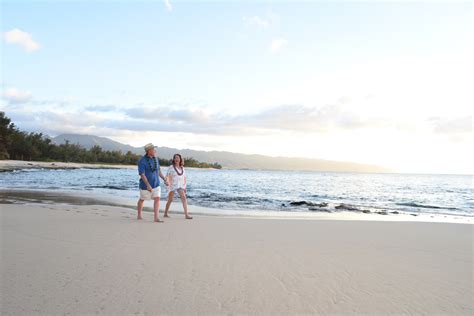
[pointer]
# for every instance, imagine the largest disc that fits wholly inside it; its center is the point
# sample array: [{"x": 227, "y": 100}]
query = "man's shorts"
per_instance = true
[{"x": 147, "y": 195}]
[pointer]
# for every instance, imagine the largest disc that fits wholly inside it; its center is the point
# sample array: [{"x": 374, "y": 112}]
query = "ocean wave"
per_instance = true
[
  {"x": 414, "y": 204},
  {"x": 111, "y": 187},
  {"x": 219, "y": 197},
  {"x": 275, "y": 191},
  {"x": 29, "y": 170}
]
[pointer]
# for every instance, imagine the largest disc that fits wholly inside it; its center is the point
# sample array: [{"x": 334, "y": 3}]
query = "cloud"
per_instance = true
[
  {"x": 343, "y": 115},
  {"x": 278, "y": 44},
  {"x": 53, "y": 122},
  {"x": 24, "y": 39},
  {"x": 16, "y": 96},
  {"x": 168, "y": 5},
  {"x": 290, "y": 118},
  {"x": 102, "y": 108},
  {"x": 256, "y": 21},
  {"x": 299, "y": 118},
  {"x": 178, "y": 115},
  {"x": 456, "y": 125}
]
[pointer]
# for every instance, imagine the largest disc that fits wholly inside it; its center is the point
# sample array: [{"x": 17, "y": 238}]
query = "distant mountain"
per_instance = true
[
  {"x": 227, "y": 159},
  {"x": 89, "y": 141}
]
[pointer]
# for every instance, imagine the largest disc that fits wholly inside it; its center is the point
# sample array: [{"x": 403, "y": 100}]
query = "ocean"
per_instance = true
[{"x": 291, "y": 192}]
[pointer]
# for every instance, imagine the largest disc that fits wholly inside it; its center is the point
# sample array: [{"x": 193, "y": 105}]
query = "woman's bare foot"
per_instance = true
[
  {"x": 158, "y": 221},
  {"x": 188, "y": 217},
  {"x": 139, "y": 217},
  {"x": 166, "y": 215}
]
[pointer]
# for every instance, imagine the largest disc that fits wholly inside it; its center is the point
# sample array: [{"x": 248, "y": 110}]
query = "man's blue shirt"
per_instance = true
[{"x": 147, "y": 166}]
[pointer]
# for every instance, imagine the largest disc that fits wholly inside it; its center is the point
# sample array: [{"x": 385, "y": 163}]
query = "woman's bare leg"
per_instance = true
[
  {"x": 185, "y": 204},
  {"x": 168, "y": 203}
]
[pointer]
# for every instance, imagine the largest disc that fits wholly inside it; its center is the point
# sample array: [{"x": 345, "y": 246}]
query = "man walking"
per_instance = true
[{"x": 150, "y": 174}]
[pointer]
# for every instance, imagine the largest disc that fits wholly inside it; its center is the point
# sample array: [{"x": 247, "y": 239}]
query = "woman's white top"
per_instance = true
[{"x": 175, "y": 180}]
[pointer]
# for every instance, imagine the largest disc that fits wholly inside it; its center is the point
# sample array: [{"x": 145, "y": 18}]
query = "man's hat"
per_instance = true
[{"x": 149, "y": 146}]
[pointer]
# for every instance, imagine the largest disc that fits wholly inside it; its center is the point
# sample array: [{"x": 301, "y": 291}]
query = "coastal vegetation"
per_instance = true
[{"x": 30, "y": 146}]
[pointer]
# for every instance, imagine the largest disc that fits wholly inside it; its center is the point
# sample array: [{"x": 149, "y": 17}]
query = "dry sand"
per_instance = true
[{"x": 86, "y": 259}]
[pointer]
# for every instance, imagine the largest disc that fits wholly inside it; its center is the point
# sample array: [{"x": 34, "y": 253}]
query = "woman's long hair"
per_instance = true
[{"x": 181, "y": 161}]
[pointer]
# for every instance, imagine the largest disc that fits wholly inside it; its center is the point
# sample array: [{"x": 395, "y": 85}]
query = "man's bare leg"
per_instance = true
[
  {"x": 185, "y": 204},
  {"x": 168, "y": 203},
  {"x": 156, "y": 209},
  {"x": 140, "y": 208}
]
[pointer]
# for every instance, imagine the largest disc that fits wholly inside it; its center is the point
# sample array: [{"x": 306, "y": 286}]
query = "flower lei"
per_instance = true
[
  {"x": 182, "y": 170},
  {"x": 149, "y": 164}
]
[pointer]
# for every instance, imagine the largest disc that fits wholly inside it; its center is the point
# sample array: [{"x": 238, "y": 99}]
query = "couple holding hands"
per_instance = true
[{"x": 150, "y": 174}]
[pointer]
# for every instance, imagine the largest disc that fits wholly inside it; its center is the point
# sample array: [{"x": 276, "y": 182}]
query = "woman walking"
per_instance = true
[{"x": 176, "y": 177}]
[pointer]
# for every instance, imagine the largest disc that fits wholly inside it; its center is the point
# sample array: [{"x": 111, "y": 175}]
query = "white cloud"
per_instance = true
[
  {"x": 16, "y": 96},
  {"x": 102, "y": 108},
  {"x": 256, "y": 21},
  {"x": 24, "y": 39},
  {"x": 199, "y": 120},
  {"x": 457, "y": 125},
  {"x": 168, "y": 5},
  {"x": 278, "y": 44},
  {"x": 337, "y": 131}
]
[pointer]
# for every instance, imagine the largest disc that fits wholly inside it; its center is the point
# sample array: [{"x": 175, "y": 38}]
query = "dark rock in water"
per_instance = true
[
  {"x": 319, "y": 209},
  {"x": 382, "y": 212},
  {"x": 414, "y": 214},
  {"x": 343, "y": 206},
  {"x": 394, "y": 212},
  {"x": 365, "y": 211},
  {"x": 283, "y": 204},
  {"x": 323, "y": 204},
  {"x": 299, "y": 203}
]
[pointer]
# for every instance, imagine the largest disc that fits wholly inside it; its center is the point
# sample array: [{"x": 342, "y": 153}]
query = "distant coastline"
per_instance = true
[{"x": 12, "y": 165}]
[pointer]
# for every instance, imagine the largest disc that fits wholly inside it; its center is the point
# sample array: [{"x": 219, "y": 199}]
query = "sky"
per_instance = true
[{"x": 376, "y": 82}]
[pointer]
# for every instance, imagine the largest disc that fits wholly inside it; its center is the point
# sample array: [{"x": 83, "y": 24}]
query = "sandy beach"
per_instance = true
[
  {"x": 10, "y": 165},
  {"x": 85, "y": 259}
]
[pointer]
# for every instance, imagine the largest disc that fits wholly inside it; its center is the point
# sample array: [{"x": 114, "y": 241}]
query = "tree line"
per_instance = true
[{"x": 19, "y": 145}]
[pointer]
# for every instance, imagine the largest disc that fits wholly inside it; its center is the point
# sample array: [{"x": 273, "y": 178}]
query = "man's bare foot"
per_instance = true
[
  {"x": 139, "y": 217},
  {"x": 166, "y": 215},
  {"x": 188, "y": 217},
  {"x": 158, "y": 221}
]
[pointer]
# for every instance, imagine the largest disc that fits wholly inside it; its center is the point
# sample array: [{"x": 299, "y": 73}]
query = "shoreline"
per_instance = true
[
  {"x": 12, "y": 165},
  {"x": 17, "y": 165},
  {"x": 34, "y": 196},
  {"x": 85, "y": 259}
]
